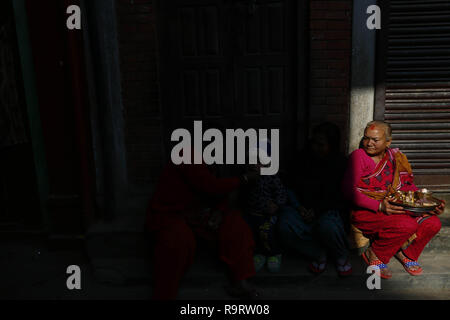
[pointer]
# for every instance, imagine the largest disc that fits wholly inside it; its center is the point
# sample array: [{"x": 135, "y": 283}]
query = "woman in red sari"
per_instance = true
[
  {"x": 190, "y": 203},
  {"x": 375, "y": 171}
]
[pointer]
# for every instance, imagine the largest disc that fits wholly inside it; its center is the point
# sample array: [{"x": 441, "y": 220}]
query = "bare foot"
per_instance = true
[{"x": 372, "y": 257}]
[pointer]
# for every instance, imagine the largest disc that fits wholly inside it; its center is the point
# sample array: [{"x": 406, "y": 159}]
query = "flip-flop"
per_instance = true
[
  {"x": 377, "y": 263},
  {"x": 341, "y": 268},
  {"x": 317, "y": 269},
  {"x": 407, "y": 263}
]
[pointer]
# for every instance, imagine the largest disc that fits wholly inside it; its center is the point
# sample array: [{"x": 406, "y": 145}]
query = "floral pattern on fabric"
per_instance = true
[{"x": 382, "y": 181}]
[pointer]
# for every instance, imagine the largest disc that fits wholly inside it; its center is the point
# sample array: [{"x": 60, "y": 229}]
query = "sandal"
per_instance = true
[
  {"x": 408, "y": 263},
  {"x": 344, "y": 269},
  {"x": 377, "y": 263},
  {"x": 274, "y": 263},
  {"x": 318, "y": 267},
  {"x": 259, "y": 260}
]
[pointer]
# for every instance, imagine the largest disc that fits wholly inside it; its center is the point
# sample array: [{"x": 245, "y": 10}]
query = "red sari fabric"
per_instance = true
[
  {"x": 177, "y": 217},
  {"x": 389, "y": 232}
]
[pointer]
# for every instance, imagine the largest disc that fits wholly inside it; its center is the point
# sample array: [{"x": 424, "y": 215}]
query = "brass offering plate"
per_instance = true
[{"x": 418, "y": 202}]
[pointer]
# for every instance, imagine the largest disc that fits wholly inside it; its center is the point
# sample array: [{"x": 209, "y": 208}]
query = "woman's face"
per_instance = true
[
  {"x": 320, "y": 146},
  {"x": 374, "y": 141}
]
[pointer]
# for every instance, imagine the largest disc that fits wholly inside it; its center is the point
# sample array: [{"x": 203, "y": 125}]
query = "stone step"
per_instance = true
[
  {"x": 206, "y": 280},
  {"x": 440, "y": 244},
  {"x": 33, "y": 271},
  {"x": 123, "y": 259},
  {"x": 133, "y": 243},
  {"x": 313, "y": 292},
  {"x": 207, "y": 271}
]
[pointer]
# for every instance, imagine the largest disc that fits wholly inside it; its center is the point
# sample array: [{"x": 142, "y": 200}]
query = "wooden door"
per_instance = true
[{"x": 231, "y": 62}]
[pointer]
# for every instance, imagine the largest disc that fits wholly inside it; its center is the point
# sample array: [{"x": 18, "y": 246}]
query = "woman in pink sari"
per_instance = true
[{"x": 373, "y": 172}]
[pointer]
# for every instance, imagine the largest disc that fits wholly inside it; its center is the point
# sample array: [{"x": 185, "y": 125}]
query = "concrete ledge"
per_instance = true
[{"x": 207, "y": 270}]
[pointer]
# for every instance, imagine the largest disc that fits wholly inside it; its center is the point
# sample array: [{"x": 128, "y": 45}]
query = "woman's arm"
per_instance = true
[
  {"x": 280, "y": 191},
  {"x": 199, "y": 176},
  {"x": 355, "y": 170}
]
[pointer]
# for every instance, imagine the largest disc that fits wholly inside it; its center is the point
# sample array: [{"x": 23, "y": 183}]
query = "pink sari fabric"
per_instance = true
[{"x": 382, "y": 177}]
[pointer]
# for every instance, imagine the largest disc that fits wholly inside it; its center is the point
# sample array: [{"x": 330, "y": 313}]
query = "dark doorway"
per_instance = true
[{"x": 230, "y": 62}]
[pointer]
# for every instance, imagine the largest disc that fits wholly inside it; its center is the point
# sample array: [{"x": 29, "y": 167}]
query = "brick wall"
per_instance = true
[
  {"x": 140, "y": 90},
  {"x": 330, "y": 58}
]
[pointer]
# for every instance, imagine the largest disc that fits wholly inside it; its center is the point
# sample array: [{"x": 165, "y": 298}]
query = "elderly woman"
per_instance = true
[{"x": 375, "y": 171}]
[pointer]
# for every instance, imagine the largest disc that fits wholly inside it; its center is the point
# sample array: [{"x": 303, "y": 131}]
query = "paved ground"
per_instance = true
[
  {"x": 33, "y": 271},
  {"x": 114, "y": 266}
]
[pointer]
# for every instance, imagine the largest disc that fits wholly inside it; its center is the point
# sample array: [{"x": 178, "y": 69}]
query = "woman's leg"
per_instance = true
[
  {"x": 331, "y": 233},
  {"x": 426, "y": 230},
  {"x": 236, "y": 246},
  {"x": 296, "y": 234},
  {"x": 173, "y": 255},
  {"x": 292, "y": 199},
  {"x": 268, "y": 236},
  {"x": 388, "y": 232},
  {"x": 255, "y": 223}
]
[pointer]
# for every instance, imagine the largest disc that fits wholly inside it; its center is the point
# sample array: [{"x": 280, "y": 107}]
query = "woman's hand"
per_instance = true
[
  {"x": 307, "y": 215},
  {"x": 250, "y": 177},
  {"x": 389, "y": 209},
  {"x": 272, "y": 207},
  {"x": 215, "y": 219},
  {"x": 440, "y": 209}
]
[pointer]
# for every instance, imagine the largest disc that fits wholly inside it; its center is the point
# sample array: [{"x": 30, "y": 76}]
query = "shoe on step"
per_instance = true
[
  {"x": 274, "y": 263},
  {"x": 259, "y": 260}
]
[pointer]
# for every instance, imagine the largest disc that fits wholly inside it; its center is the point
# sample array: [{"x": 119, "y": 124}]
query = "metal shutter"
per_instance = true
[{"x": 413, "y": 91}]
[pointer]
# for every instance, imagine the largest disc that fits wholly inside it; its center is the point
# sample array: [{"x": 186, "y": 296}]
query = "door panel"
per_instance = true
[
  {"x": 229, "y": 61},
  {"x": 263, "y": 70},
  {"x": 195, "y": 69}
]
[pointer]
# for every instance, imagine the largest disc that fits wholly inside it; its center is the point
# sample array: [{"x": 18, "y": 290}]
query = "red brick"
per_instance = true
[
  {"x": 339, "y": 44},
  {"x": 338, "y": 25},
  {"x": 337, "y": 83},
  {"x": 339, "y": 64},
  {"x": 337, "y": 101},
  {"x": 331, "y": 5},
  {"x": 318, "y": 45},
  {"x": 328, "y": 92},
  {"x": 319, "y": 14},
  {"x": 317, "y": 25},
  {"x": 318, "y": 83},
  {"x": 337, "y": 35},
  {"x": 337, "y": 15},
  {"x": 317, "y": 35},
  {"x": 319, "y": 73},
  {"x": 329, "y": 55}
]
